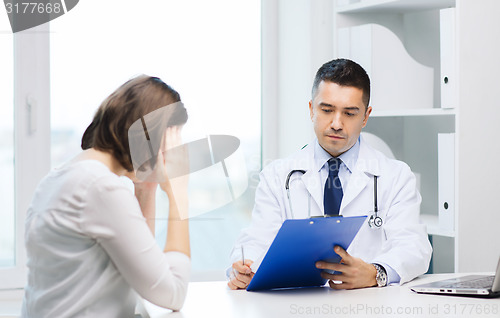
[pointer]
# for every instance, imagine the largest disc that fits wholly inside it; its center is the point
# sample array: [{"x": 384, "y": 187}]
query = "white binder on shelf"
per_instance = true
[
  {"x": 446, "y": 181},
  {"x": 398, "y": 81},
  {"x": 448, "y": 58}
]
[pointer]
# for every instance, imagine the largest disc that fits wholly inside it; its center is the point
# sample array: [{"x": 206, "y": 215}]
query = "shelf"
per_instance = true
[
  {"x": 394, "y": 6},
  {"x": 413, "y": 112},
  {"x": 432, "y": 223}
]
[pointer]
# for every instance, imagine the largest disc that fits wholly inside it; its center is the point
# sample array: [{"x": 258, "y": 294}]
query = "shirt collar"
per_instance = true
[{"x": 349, "y": 158}]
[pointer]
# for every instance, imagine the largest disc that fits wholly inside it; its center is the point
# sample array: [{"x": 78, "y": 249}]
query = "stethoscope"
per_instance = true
[
  {"x": 375, "y": 221},
  {"x": 287, "y": 188}
]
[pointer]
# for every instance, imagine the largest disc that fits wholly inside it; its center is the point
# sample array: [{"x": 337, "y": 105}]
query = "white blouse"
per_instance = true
[{"x": 89, "y": 248}]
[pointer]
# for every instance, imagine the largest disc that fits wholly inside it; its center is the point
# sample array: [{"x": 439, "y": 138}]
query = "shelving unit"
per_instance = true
[
  {"x": 432, "y": 223},
  {"x": 413, "y": 112},
  {"x": 470, "y": 246},
  {"x": 412, "y": 134},
  {"x": 392, "y": 6}
]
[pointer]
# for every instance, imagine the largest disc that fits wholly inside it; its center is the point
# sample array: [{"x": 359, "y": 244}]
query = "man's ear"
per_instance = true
[
  {"x": 311, "y": 110},
  {"x": 367, "y": 114}
]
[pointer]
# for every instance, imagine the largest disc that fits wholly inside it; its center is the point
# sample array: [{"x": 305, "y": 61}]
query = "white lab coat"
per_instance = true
[{"x": 401, "y": 242}]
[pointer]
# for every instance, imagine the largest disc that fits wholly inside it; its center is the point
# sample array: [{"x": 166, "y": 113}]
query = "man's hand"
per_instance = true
[
  {"x": 354, "y": 272},
  {"x": 241, "y": 275}
]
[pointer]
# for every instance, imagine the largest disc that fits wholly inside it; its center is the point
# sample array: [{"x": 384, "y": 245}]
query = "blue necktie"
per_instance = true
[{"x": 333, "y": 188}]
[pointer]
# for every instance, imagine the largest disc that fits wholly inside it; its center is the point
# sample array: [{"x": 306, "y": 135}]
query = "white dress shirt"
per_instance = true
[
  {"x": 349, "y": 159},
  {"x": 89, "y": 249}
]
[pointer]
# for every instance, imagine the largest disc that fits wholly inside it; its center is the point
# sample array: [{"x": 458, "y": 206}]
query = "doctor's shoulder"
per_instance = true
[
  {"x": 380, "y": 157},
  {"x": 398, "y": 170}
]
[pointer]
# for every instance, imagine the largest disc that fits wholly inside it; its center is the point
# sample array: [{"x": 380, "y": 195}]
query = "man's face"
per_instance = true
[{"x": 338, "y": 114}]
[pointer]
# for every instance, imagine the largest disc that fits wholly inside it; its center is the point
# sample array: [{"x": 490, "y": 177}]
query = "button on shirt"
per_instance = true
[{"x": 349, "y": 160}]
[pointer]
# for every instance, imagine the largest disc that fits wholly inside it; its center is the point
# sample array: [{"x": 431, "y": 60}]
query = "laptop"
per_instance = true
[{"x": 471, "y": 285}]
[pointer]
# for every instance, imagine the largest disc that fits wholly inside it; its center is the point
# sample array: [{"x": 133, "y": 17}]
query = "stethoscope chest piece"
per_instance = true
[{"x": 375, "y": 221}]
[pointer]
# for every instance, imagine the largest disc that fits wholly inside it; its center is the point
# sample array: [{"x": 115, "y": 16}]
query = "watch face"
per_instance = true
[{"x": 381, "y": 277}]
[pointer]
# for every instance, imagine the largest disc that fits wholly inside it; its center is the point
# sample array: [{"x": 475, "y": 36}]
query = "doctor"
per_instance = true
[{"x": 342, "y": 175}]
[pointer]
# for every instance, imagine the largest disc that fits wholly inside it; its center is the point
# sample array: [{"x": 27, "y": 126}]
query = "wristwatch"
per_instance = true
[{"x": 381, "y": 277}]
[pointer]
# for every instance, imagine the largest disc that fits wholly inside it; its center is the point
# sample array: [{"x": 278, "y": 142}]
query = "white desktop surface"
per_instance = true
[{"x": 215, "y": 299}]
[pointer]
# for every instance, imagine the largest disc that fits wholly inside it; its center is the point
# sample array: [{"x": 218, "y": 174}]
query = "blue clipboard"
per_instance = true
[{"x": 299, "y": 244}]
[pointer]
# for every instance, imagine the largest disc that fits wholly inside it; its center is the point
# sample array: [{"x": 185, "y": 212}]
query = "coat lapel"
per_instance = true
[
  {"x": 359, "y": 180},
  {"x": 366, "y": 167},
  {"x": 312, "y": 183},
  {"x": 311, "y": 178}
]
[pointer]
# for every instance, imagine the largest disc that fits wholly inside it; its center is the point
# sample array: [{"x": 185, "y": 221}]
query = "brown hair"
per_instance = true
[
  {"x": 136, "y": 98},
  {"x": 344, "y": 72}
]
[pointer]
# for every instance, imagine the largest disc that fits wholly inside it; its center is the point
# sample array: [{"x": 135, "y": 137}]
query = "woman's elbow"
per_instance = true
[{"x": 172, "y": 296}]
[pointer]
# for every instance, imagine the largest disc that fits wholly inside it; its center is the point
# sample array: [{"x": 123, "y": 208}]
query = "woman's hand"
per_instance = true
[{"x": 175, "y": 159}]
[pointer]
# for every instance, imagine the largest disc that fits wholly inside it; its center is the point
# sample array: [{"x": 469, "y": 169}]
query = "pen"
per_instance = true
[{"x": 242, "y": 255}]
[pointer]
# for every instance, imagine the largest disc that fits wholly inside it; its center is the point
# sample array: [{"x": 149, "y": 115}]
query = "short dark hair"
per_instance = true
[
  {"x": 344, "y": 72},
  {"x": 131, "y": 101}
]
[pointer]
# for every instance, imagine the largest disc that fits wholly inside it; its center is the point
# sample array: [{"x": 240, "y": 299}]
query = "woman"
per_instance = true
[{"x": 87, "y": 237}]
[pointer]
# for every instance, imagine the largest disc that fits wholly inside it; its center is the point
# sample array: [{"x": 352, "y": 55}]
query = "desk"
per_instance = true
[{"x": 215, "y": 299}]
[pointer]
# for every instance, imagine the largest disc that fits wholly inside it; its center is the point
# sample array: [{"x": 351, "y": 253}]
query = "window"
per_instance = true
[
  {"x": 209, "y": 51},
  {"x": 25, "y": 109},
  {"x": 7, "y": 212}
]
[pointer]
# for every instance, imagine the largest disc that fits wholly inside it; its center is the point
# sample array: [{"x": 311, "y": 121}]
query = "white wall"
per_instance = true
[
  {"x": 479, "y": 147},
  {"x": 296, "y": 40}
]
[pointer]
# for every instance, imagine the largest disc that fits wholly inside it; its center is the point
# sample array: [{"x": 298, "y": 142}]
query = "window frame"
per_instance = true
[{"x": 31, "y": 135}]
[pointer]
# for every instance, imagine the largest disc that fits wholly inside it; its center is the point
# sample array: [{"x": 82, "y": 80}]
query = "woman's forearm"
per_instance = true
[
  {"x": 147, "y": 202},
  {"x": 178, "y": 225}
]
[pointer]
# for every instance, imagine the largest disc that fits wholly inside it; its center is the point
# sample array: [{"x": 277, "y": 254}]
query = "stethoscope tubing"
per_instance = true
[
  {"x": 287, "y": 187},
  {"x": 374, "y": 221}
]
